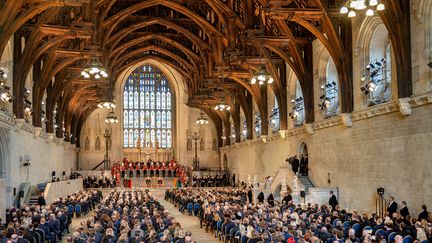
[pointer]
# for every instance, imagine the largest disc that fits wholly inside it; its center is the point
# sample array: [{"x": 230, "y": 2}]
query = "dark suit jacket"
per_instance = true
[
  {"x": 392, "y": 208},
  {"x": 261, "y": 197},
  {"x": 404, "y": 211},
  {"x": 333, "y": 201},
  {"x": 41, "y": 201},
  {"x": 287, "y": 198},
  {"x": 423, "y": 215}
]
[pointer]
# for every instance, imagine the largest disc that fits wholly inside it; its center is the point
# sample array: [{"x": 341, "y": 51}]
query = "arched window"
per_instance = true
[
  {"x": 377, "y": 77},
  {"x": 329, "y": 99},
  {"x": 298, "y": 112},
  {"x": 147, "y": 109}
]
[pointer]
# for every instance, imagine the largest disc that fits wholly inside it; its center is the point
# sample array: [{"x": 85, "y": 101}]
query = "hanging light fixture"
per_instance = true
[
  {"x": 111, "y": 117},
  {"x": 222, "y": 107},
  {"x": 94, "y": 69},
  {"x": 352, "y": 6},
  {"x": 202, "y": 120},
  {"x": 262, "y": 76},
  {"x": 108, "y": 104}
]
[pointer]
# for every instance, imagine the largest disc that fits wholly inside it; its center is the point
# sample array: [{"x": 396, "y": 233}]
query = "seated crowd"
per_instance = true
[
  {"x": 99, "y": 182},
  {"x": 227, "y": 212},
  {"x": 45, "y": 223},
  {"x": 130, "y": 216},
  {"x": 210, "y": 180}
]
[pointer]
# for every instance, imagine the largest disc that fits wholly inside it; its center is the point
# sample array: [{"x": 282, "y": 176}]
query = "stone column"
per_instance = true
[{"x": 3, "y": 200}]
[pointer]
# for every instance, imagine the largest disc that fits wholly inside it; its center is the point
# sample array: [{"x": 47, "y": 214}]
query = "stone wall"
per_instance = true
[
  {"x": 46, "y": 154},
  {"x": 390, "y": 151}
]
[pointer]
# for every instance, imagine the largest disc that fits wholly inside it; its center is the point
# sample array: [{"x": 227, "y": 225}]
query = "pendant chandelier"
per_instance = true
[
  {"x": 202, "y": 120},
  {"x": 111, "y": 117},
  {"x": 108, "y": 101},
  {"x": 108, "y": 104},
  {"x": 94, "y": 69},
  {"x": 262, "y": 77},
  {"x": 352, "y": 6},
  {"x": 222, "y": 107}
]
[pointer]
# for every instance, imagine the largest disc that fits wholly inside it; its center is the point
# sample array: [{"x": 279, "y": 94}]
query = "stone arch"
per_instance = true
[
  {"x": 7, "y": 61},
  {"x": 179, "y": 93},
  {"x": 371, "y": 44},
  {"x": 7, "y": 199},
  {"x": 424, "y": 16},
  {"x": 303, "y": 149},
  {"x": 327, "y": 72},
  {"x": 294, "y": 89}
]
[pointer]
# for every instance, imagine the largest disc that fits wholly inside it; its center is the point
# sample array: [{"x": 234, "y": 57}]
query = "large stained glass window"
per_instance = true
[{"x": 147, "y": 109}]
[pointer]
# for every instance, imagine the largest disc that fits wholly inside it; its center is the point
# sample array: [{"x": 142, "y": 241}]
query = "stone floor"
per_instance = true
[{"x": 189, "y": 223}]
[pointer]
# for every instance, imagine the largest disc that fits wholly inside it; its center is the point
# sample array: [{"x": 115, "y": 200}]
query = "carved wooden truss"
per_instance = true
[{"x": 213, "y": 44}]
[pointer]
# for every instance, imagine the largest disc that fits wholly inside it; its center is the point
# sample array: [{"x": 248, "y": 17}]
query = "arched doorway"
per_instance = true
[
  {"x": 303, "y": 149},
  {"x": 304, "y": 159}
]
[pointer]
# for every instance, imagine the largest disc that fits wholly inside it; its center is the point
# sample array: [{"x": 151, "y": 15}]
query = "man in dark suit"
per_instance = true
[
  {"x": 302, "y": 165},
  {"x": 295, "y": 164},
  {"x": 392, "y": 206},
  {"x": 249, "y": 195},
  {"x": 424, "y": 214},
  {"x": 333, "y": 200},
  {"x": 261, "y": 197},
  {"x": 287, "y": 198},
  {"x": 41, "y": 200},
  {"x": 270, "y": 200},
  {"x": 404, "y": 212}
]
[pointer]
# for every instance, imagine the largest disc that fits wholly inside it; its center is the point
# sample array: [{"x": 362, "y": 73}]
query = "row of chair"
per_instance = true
[{"x": 193, "y": 208}]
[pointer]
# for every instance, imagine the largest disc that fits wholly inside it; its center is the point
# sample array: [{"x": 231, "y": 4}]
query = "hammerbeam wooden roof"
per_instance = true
[{"x": 214, "y": 44}]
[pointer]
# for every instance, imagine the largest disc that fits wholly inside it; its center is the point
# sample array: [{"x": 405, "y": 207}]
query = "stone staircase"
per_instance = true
[
  {"x": 34, "y": 198},
  {"x": 306, "y": 182}
]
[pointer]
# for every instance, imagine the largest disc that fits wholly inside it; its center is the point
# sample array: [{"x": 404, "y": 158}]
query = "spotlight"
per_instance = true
[
  {"x": 371, "y": 86},
  {"x": 378, "y": 63}
]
